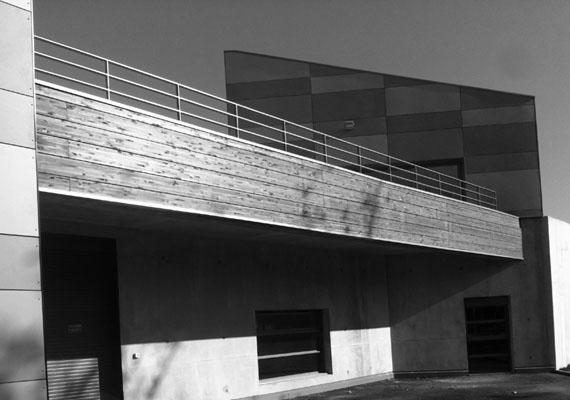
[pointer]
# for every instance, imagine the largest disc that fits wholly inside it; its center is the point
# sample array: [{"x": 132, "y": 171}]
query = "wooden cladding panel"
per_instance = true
[
  {"x": 91, "y": 147},
  {"x": 214, "y": 161}
]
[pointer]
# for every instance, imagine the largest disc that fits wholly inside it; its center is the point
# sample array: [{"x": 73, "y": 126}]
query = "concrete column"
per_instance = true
[{"x": 22, "y": 361}]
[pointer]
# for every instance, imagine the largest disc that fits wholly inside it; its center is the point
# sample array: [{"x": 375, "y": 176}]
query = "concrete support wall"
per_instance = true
[
  {"x": 559, "y": 240},
  {"x": 187, "y": 306},
  {"x": 22, "y": 366},
  {"x": 427, "y": 315}
]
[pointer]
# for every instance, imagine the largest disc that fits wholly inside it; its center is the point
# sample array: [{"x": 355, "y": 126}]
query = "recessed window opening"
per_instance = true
[{"x": 292, "y": 342}]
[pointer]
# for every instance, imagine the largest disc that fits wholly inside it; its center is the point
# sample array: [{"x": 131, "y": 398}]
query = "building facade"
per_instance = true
[{"x": 162, "y": 243}]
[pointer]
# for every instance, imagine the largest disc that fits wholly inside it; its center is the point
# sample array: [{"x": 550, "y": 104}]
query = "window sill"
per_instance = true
[{"x": 289, "y": 378}]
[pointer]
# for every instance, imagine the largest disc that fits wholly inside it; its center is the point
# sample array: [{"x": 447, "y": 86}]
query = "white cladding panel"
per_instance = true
[
  {"x": 29, "y": 390},
  {"x": 25, "y": 4},
  {"x": 15, "y": 49},
  {"x": 20, "y": 263},
  {"x": 18, "y": 191},
  {"x": 21, "y": 336},
  {"x": 17, "y": 119}
]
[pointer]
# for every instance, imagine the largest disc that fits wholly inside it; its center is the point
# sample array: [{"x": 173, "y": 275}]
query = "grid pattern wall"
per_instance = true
[{"x": 491, "y": 136}]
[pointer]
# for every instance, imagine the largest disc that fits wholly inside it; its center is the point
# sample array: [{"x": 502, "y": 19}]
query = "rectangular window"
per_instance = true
[{"x": 292, "y": 342}]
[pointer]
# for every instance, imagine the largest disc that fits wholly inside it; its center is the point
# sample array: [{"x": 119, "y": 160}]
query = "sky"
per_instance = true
[{"x": 519, "y": 46}]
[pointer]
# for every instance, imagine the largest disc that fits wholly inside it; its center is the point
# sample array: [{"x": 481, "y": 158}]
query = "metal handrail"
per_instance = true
[{"x": 243, "y": 122}]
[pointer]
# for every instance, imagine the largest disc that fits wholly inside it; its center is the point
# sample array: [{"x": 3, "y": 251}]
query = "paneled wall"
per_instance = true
[
  {"x": 486, "y": 137},
  {"x": 22, "y": 368}
]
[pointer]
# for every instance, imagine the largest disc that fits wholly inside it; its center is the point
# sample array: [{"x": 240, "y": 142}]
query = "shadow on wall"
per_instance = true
[
  {"x": 189, "y": 305},
  {"x": 427, "y": 308},
  {"x": 418, "y": 283},
  {"x": 175, "y": 289},
  {"x": 21, "y": 359},
  {"x": 427, "y": 315}
]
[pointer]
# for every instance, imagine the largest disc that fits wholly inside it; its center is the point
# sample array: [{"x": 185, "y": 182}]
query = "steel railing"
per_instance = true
[{"x": 80, "y": 70}]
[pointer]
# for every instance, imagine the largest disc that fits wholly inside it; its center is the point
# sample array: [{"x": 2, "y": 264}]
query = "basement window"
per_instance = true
[{"x": 292, "y": 342}]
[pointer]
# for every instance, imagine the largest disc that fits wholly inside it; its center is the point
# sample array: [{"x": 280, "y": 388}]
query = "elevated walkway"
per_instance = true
[{"x": 121, "y": 149}]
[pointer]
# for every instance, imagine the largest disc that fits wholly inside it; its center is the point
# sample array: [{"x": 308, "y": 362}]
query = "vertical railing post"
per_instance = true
[
  {"x": 359, "y": 149},
  {"x": 390, "y": 175},
  {"x": 325, "y": 152},
  {"x": 285, "y": 134},
  {"x": 108, "y": 79},
  {"x": 237, "y": 119},
  {"x": 416, "y": 172},
  {"x": 439, "y": 182},
  {"x": 479, "y": 195},
  {"x": 178, "y": 102}
]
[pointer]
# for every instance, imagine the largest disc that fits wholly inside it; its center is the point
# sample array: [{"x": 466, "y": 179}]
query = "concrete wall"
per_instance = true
[
  {"x": 427, "y": 305},
  {"x": 22, "y": 367},
  {"x": 559, "y": 238},
  {"x": 187, "y": 305},
  {"x": 486, "y": 137}
]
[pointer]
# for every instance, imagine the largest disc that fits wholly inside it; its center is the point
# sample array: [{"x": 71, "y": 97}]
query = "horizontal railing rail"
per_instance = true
[{"x": 64, "y": 65}]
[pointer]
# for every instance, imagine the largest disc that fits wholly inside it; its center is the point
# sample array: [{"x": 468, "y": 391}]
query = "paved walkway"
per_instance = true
[{"x": 544, "y": 386}]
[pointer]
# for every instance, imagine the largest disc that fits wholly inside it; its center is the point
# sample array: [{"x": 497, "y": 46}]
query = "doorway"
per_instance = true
[
  {"x": 81, "y": 318},
  {"x": 488, "y": 334}
]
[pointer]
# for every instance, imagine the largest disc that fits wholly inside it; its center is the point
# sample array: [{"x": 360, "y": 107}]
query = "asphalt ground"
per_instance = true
[{"x": 541, "y": 386}]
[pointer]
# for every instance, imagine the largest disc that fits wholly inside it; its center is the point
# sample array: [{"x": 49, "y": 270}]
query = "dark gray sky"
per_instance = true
[{"x": 520, "y": 46}]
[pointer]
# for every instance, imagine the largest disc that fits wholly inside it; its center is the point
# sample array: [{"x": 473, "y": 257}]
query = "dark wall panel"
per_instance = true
[
  {"x": 362, "y": 127},
  {"x": 500, "y": 139},
  {"x": 517, "y": 191},
  {"x": 495, "y": 116},
  {"x": 421, "y": 99},
  {"x": 327, "y": 70},
  {"x": 431, "y": 145},
  {"x": 481, "y": 98},
  {"x": 423, "y": 122},
  {"x": 340, "y": 83},
  {"x": 260, "y": 90},
  {"x": 294, "y": 108},
  {"x": 501, "y": 162},
  {"x": 372, "y": 142},
  {"x": 393, "y": 81},
  {"x": 491, "y": 134},
  {"x": 348, "y": 105}
]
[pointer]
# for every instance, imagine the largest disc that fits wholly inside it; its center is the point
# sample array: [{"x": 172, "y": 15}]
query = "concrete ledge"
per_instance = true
[
  {"x": 560, "y": 372},
  {"x": 430, "y": 374},
  {"x": 291, "y": 394},
  {"x": 463, "y": 372},
  {"x": 534, "y": 370}
]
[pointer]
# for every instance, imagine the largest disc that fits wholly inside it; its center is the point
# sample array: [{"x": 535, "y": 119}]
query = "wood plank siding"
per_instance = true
[{"x": 95, "y": 148}]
